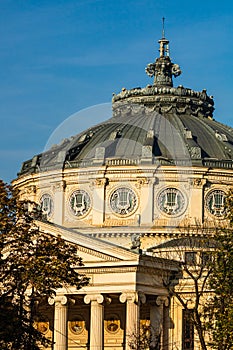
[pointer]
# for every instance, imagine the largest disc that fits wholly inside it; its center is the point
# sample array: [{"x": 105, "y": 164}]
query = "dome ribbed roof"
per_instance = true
[
  {"x": 159, "y": 123},
  {"x": 169, "y": 139}
]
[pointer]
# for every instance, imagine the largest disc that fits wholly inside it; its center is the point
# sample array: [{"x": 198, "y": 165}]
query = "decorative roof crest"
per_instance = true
[{"x": 163, "y": 69}]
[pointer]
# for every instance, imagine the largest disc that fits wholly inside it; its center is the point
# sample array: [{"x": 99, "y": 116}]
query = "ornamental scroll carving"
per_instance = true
[
  {"x": 101, "y": 182},
  {"x": 61, "y": 300},
  {"x": 166, "y": 99},
  {"x": 98, "y": 298},
  {"x": 133, "y": 297},
  {"x": 59, "y": 186},
  {"x": 30, "y": 190},
  {"x": 197, "y": 183},
  {"x": 142, "y": 181},
  {"x": 162, "y": 300}
]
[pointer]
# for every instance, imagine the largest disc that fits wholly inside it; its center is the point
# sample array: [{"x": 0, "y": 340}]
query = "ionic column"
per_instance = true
[
  {"x": 155, "y": 325},
  {"x": 97, "y": 319},
  {"x": 132, "y": 300},
  {"x": 163, "y": 319},
  {"x": 60, "y": 321}
]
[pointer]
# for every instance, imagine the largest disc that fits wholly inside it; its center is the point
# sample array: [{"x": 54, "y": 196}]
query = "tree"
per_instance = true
[
  {"x": 146, "y": 338},
  {"x": 220, "y": 307},
  {"x": 194, "y": 250},
  {"x": 32, "y": 266}
]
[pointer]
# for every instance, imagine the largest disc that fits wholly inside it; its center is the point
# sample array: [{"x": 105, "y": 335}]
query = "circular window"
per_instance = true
[
  {"x": 77, "y": 326},
  {"x": 46, "y": 204},
  {"x": 215, "y": 202},
  {"x": 171, "y": 201},
  {"x": 112, "y": 324},
  {"x": 123, "y": 201},
  {"x": 80, "y": 202}
]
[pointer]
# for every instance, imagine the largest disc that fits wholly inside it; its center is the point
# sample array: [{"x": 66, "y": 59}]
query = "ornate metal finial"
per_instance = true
[
  {"x": 163, "y": 31},
  {"x": 163, "y": 69},
  {"x": 164, "y": 43}
]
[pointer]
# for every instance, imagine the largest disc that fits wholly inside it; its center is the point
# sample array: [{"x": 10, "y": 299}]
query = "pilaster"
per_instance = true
[
  {"x": 99, "y": 201},
  {"x": 58, "y": 190},
  {"x": 197, "y": 197},
  {"x": 146, "y": 197}
]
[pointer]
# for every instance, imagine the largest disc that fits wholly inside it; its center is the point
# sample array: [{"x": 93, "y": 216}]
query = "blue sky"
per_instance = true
[{"x": 58, "y": 57}]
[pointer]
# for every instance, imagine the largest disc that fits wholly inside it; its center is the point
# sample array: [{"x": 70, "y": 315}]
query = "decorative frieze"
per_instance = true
[
  {"x": 100, "y": 182},
  {"x": 59, "y": 186},
  {"x": 29, "y": 190},
  {"x": 142, "y": 181},
  {"x": 105, "y": 270},
  {"x": 197, "y": 182},
  {"x": 119, "y": 222}
]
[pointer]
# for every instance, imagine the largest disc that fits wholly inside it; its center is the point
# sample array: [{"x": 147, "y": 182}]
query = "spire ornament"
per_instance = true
[{"x": 163, "y": 69}]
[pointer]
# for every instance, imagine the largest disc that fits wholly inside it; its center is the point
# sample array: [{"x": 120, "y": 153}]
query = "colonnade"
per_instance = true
[{"x": 133, "y": 301}]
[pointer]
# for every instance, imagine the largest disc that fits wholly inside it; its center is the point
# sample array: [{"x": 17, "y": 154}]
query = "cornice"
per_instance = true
[
  {"x": 70, "y": 175},
  {"x": 95, "y": 253},
  {"x": 104, "y": 270}
]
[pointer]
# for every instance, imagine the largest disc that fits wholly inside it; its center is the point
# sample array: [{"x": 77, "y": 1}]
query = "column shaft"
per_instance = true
[
  {"x": 97, "y": 316},
  {"x": 132, "y": 317},
  {"x": 155, "y": 324},
  {"x": 166, "y": 327},
  {"x": 97, "y": 320}
]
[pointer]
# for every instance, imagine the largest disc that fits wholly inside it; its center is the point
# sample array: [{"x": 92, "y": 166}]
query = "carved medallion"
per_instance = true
[
  {"x": 112, "y": 324},
  {"x": 77, "y": 326},
  {"x": 215, "y": 202},
  {"x": 80, "y": 202},
  {"x": 123, "y": 201},
  {"x": 171, "y": 201},
  {"x": 46, "y": 204}
]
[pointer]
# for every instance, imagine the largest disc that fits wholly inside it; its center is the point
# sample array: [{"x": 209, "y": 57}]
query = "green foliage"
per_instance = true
[
  {"x": 220, "y": 309},
  {"x": 32, "y": 266},
  {"x": 146, "y": 338}
]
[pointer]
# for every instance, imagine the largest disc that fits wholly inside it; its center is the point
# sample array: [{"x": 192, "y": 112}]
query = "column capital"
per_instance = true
[
  {"x": 162, "y": 300},
  {"x": 58, "y": 299},
  {"x": 132, "y": 297},
  {"x": 100, "y": 182},
  {"x": 99, "y": 298}
]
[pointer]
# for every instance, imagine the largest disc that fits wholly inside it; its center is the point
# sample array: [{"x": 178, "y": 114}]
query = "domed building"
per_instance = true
[{"x": 136, "y": 194}]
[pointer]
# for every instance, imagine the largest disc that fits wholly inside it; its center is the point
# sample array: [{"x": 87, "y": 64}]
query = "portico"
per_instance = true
[{"x": 126, "y": 291}]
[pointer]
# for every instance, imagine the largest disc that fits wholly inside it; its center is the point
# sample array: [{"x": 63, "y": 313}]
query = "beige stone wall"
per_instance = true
[{"x": 147, "y": 184}]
